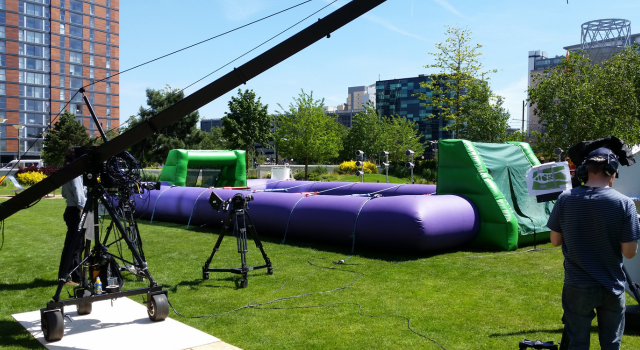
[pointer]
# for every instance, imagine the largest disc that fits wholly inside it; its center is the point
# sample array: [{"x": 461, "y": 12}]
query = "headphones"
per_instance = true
[{"x": 609, "y": 169}]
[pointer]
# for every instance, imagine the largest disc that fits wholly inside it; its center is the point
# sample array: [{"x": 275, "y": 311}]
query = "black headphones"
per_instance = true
[{"x": 609, "y": 169}]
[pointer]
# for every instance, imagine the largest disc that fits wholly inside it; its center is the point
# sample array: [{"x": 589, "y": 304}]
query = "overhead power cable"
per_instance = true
[{"x": 202, "y": 42}]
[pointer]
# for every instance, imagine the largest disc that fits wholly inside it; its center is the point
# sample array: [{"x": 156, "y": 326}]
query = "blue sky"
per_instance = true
[{"x": 392, "y": 41}]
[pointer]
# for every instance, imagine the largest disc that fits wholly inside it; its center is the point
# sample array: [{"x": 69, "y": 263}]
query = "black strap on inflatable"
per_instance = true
[{"x": 353, "y": 234}]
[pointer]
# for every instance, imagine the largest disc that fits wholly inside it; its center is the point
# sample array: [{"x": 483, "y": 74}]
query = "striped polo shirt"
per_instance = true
[{"x": 593, "y": 222}]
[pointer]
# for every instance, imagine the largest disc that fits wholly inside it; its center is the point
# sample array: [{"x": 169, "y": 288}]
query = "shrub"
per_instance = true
[
  {"x": 319, "y": 170},
  {"x": 298, "y": 175},
  {"x": 47, "y": 170},
  {"x": 150, "y": 177},
  {"x": 30, "y": 178},
  {"x": 349, "y": 167},
  {"x": 266, "y": 176}
]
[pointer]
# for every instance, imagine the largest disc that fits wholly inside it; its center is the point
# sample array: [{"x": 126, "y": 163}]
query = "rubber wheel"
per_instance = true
[
  {"x": 84, "y": 308},
  {"x": 52, "y": 326},
  {"x": 205, "y": 276},
  {"x": 158, "y": 308},
  {"x": 270, "y": 271},
  {"x": 244, "y": 283}
]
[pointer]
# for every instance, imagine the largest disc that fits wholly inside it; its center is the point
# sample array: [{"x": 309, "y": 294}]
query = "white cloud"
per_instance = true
[
  {"x": 513, "y": 95},
  {"x": 447, "y": 6},
  {"x": 240, "y": 10}
]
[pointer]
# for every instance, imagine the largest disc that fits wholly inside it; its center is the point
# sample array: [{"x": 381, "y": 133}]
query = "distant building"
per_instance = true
[
  {"x": 207, "y": 124},
  {"x": 357, "y": 98},
  {"x": 395, "y": 97}
]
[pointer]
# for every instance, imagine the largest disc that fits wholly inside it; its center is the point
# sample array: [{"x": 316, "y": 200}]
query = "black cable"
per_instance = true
[
  {"x": 200, "y": 42},
  {"x": 257, "y": 306}
]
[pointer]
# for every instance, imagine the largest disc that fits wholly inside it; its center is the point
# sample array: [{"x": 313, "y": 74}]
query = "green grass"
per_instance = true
[
  {"x": 463, "y": 300},
  {"x": 7, "y": 188},
  {"x": 374, "y": 178}
]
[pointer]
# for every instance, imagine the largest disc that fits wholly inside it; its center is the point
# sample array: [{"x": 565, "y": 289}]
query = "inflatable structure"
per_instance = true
[{"x": 232, "y": 163}]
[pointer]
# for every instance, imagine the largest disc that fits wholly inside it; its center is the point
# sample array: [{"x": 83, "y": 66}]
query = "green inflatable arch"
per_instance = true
[
  {"x": 493, "y": 177},
  {"x": 232, "y": 163}
]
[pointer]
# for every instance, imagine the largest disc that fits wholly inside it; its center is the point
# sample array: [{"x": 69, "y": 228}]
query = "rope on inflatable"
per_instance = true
[
  {"x": 353, "y": 235},
  {"x": 194, "y": 206},
  {"x": 156, "y": 203},
  {"x": 331, "y": 189},
  {"x": 289, "y": 219}
]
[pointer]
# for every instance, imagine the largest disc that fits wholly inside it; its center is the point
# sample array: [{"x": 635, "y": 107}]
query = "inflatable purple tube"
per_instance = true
[
  {"x": 400, "y": 220},
  {"x": 342, "y": 188}
]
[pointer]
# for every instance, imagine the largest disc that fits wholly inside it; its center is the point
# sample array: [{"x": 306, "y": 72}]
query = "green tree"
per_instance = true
[
  {"x": 305, "y": 132},
  {"x": 485, "y": 118},
  {"x": 246, "y": 123},
  {"x": 460, "y": 69},
  {"x": 367, "y": 133},
  {"x": 66, "y": 133},
  {"x": 578, "y": 100},
  {"x": 213, "y": 140},
  {"x": 183, "y": 134},
  {"x": 401, "y": 135}
]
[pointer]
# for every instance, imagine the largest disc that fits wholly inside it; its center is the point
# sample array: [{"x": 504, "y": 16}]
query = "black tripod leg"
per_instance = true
[
  {"x": 68, "y": 257},
  {"x": 240, "y": 230},
  {"x": 258, "y": 242},
  {"x": 205, "y": 273}
]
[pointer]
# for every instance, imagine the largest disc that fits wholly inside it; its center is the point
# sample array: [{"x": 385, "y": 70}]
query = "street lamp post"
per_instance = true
[
  {"x": 386, "y": 164},
  {"x": 410, "y": 164}
]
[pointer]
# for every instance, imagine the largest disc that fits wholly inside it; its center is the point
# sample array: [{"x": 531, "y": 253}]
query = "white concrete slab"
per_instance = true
[{"x": 126, "y": 325}]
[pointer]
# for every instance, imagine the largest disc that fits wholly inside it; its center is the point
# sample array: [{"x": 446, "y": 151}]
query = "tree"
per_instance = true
[
  {"x": 578, "y": 100},
  {"x": 460, "y": 69},
  {"x": 247, "y": 122},
  {"x": 485, "y": 118},
  {"x": 66, "y": 133},
  {"x": 367, "y": 134},
  {"x": 401, "y": 135},
  {"x": 183, "y": 134},
  {"x": 306, "y": 132},
  {"x": 213, "y": 140}
]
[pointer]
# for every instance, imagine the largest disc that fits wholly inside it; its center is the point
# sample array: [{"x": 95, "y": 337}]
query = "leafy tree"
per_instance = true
[
  {"x": 183, "y": 134},
  {"x": 247, "y": 122},
  {"x": 485, "y": 118},
  {"x": 402, "y": 135},
  {"x": 305, "y": 132},
  {"x": 66, "y": 133},
  {"x": 213, "y": 140},
  {"x": 367, "y": 133},
  {"x": 460, "y": 69},
  {"x": 578, "y": 100}
]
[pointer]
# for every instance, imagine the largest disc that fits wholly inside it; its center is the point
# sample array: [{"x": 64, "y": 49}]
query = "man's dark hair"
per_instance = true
[{"x": 596, "y": 168}]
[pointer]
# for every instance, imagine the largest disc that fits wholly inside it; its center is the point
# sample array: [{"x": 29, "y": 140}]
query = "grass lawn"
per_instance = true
[
  {"x": 382, "y": 178},
  {"x": 463, "y": 300}
]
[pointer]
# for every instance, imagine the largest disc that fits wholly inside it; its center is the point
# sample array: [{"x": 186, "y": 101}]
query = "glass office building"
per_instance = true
[
  {"x": 50, "y": 49},
  {"x": 395, "y": 97}
]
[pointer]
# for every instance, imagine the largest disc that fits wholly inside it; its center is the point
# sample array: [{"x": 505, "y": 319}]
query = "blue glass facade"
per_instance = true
[{"x": 395, "y": 97}]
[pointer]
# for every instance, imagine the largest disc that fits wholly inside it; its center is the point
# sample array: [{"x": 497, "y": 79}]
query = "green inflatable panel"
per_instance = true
[
  {"x": 232, "y": 163},
  {"x": 493, "y": 177}
]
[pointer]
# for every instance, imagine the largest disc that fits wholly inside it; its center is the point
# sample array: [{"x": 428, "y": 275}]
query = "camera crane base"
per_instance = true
[{"x": 239, "y": 217}]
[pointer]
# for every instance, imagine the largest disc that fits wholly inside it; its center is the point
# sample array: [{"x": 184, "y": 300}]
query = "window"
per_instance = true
[
  {"x": 33, "y": 37},
  {"x": 75, "y": 83},
  {"x": 32, "y": 119},
  {"x": 108, "y": 50},
  {"x": 62, "y": 68},
  {"x": 3, "y": 89},
  {"x": 62, "y": 16},
  {"x": 34, "y": 64},
  {"x": 34, "y": 91},
  {"x": 108, "y": 63},
  {"x": 3, "y": 103},
  {"x": 3, "y": 75},
  {"x": 62, "y": 97},
  {"x": 61, "y": 81},
  {"x": 62, "y": 58},
  {"x": 75, "y": 57},
  {"x": 32, "y": 50},
  {"x": 108, "y": 88},
  {"x": 92, "y": 85},
  {"x": 2, "y": 32},
  {"x": 3, "y": 143},
  {"x": 91, "y": 60},
  {"x": 33, "y": 78},
  {"x": 32, "y": 105},
  {"x": 92, "y": 22},
  {"x": 75, "y": 70},
  {"x": 92, "y": 9},
  {"x": 76, "y": 109},
  {"x": 108, "y": 26},
  {"x": 91, "y": 73},
  {"x": 2, "y": 4},
  {"x": 92, "y": 100},
  {"x": 108, "y": 124},
  {"x": 34, "y": 146},
  {"x": 75, "y": 44},
  {"x": 91, "y": 34},
  {"x": 62, "y": 3},
  {"x": 108, "y": 38},
  {"x": 108, "y": 13},
  {"x": 75, "y": 5},
  {"x": 91, "y": 47},
  {"x": 75, "y": 31},
  {"x": 75, "y": 18},
  {"x": 108, "y": 111},
  {"x": 108, "y": 3},
  {"x": 2, "y": 17},
  {"x": 3, "y": 46},
  {"x": 31, "y": 9},
  {"x": 108, "y": 100},
  {"x": 3, "y": 60}
]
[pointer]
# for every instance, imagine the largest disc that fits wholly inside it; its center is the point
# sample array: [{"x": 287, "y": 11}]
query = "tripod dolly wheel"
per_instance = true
[
  {"x": 52, "y": 325},
  {"x": 158, "y": 308},
  {"x": 244, "y": 283},
  {"x": 270, "y": 271},
  {"x": 84, "y": 308}
]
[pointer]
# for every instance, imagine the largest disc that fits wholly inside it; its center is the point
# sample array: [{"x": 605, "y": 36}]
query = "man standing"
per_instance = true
[
  {"x": 76, "y": 199},
  {"x": 595, "y": 225}
]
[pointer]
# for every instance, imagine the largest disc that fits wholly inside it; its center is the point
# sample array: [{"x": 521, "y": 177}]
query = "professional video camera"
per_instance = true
[{"x": 239, "y": 218}]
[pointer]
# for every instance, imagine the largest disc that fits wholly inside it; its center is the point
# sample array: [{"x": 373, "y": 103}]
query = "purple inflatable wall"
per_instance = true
[{"x": 403, "y": 219}]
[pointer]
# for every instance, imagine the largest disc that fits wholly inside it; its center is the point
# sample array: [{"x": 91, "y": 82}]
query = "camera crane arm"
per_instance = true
[{"x": 323, "y": 28}]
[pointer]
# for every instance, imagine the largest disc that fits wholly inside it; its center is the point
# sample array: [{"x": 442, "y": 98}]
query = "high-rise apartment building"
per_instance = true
[{"x": 49, "y": 49}]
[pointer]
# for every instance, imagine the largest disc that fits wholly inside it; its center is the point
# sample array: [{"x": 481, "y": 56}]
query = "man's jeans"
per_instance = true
[{"x": 579, "y": 302}]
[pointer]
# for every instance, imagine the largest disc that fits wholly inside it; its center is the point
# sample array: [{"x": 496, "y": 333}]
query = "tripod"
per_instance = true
[
  {"x": 241, "y": 220},
  {"x": 97, "y": 261}
]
